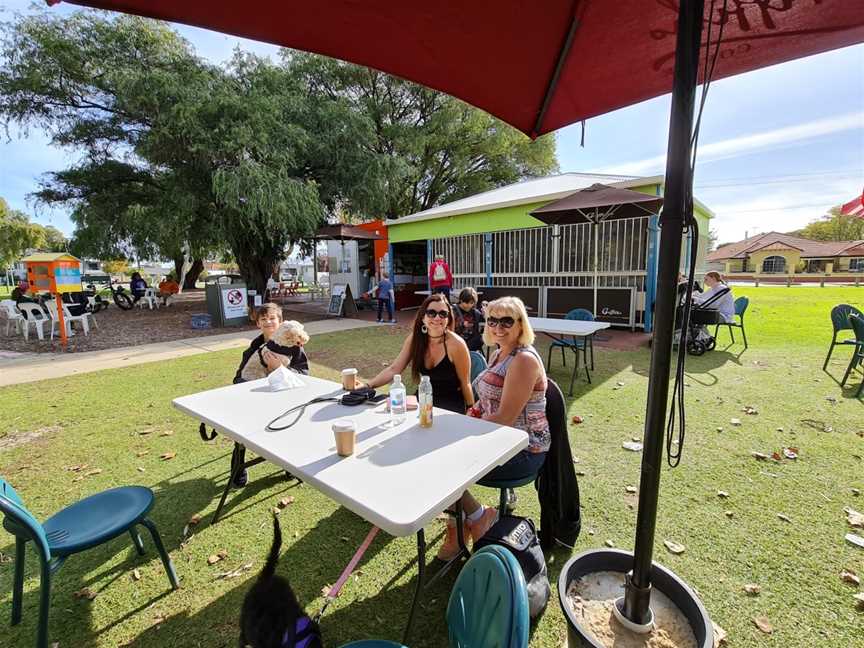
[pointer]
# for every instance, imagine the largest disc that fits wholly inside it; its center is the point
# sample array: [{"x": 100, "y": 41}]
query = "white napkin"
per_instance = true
[{"x": 282, "y": 378}]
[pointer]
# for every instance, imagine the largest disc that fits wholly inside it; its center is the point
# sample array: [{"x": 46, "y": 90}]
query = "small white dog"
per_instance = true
[{"x": 287, "y": 338}]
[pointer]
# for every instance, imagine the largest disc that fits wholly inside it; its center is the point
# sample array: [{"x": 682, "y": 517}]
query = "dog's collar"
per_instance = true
[{"x": 302, "y": 636}]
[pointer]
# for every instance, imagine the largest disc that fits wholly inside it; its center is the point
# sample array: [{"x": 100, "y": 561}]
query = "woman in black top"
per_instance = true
[
  {"x": 268, "y": 318},
  {"x": 434, "y": 350}
]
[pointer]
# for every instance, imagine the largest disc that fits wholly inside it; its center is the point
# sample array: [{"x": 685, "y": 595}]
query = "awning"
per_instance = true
[
  {"x": 536, "y": 66},
  {"x": 595, "y": 203}
]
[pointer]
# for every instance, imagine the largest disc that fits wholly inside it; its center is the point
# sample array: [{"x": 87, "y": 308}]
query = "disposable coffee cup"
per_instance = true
[
  {"x": 349, "y": 379},
  {"x": 345, "y": 434}
]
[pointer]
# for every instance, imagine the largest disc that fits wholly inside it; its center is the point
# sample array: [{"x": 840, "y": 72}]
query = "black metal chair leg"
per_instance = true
[
  {"x": 591, "y": 342},
  {"x": 421, "y": 569},
  {"x": 830, "y": 351},
  {"x": 18, "y": 582},
  {"x": 166, "y": 559},
  {"x": 136, "y": 540},
  {"x": 851, "y": 366},
  {"x": 744, "y": 334},
  {"x": 236, "y": 469},
  {"x": 563, "y": 357}
]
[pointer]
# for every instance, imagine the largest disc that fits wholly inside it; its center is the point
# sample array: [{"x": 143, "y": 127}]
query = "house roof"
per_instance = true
[
  {"x": 45, "y": 257},
  {"x": 780, "y": 241},
  {"x": 527, "y": 192}
]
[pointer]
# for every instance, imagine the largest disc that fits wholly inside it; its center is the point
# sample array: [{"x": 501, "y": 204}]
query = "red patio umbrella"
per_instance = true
[
  {"x": 854, "y": 207},
  {"x": 540, "y": 67}
]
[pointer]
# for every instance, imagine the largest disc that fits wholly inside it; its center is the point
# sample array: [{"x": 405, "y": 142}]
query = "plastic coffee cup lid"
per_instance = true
[
  {"x": 348, "y": 372},
  {"x": 343, "y": 425}
]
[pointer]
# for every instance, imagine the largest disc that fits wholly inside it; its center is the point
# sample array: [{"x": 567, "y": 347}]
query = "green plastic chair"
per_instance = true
[
  {"x": 840, "y": 322},
  {"x": 488, "y": 606},
  {"x": 81, "y": 526},
  {"x": 857, "y": 324},
  {"x": 741, "y": 305}
]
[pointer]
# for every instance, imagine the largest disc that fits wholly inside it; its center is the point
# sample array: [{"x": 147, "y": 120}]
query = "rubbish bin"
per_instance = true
[{"x": 226, "y": 300}]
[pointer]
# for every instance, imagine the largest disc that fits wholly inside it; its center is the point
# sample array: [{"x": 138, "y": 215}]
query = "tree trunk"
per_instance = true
[
  {"x": 193, "y": 274},
  {"x": 255, "y": 271}
]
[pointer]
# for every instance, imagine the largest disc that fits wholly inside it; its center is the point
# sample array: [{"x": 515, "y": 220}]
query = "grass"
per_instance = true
[{"x": 100, "y": 419}]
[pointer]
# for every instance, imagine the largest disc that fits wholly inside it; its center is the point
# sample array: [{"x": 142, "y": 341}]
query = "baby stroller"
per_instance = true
[{"x": 699, "y": 340}]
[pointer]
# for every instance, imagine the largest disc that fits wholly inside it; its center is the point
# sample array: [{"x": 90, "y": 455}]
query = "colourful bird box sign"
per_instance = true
[{"x": 53, "y": 273}]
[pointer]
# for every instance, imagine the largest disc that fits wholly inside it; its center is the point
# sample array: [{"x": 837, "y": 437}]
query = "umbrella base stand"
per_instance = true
[
  {"x": 644, "y": 626},
  {"x": 595, "y": 564}
]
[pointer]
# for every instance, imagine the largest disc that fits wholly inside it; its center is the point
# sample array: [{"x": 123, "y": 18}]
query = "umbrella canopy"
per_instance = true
[
  {"x": 345, "y": 233},
  {"x": 854, "y": 207},
  {"x": 595, "y": 203},
  {"x": 537, "y": 68}
]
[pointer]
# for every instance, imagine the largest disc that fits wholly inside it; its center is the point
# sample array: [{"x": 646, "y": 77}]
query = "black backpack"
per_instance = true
[{"x": 519, "y": 536}]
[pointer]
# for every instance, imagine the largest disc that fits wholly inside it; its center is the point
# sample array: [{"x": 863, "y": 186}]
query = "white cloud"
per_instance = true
[{"x": 748, "y": 144}]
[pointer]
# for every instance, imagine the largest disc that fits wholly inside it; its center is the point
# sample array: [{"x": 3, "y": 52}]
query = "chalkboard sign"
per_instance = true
[
  {"x": 530, "y": 296},
  {"x": 614, "y": 305},
  {"x": 341, "y": 301}
]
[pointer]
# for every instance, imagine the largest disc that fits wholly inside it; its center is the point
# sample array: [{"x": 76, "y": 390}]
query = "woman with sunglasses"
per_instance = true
[
  {"x": 434, "y": 350},
  {"x": 512, "y": 390}
]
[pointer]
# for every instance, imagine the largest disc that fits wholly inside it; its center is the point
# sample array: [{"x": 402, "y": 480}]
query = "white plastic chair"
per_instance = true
[
  {"x": 91, "y": 302},
  {"x": 10, "y": 312},
  {"x": 69, "y": 317},
  {"x": 150, "y": 298},
  {"x": 35, "y": 316}
]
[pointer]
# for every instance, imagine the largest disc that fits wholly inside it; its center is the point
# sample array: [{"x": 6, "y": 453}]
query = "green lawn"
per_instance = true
[{"x": 107, "y": 419}]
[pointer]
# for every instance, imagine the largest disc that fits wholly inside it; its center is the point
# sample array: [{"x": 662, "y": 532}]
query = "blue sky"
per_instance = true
[{"x": 778, "y": 146}]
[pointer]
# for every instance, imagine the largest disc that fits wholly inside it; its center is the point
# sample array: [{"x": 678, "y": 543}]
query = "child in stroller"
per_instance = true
[{"x": 708, "y": 309}]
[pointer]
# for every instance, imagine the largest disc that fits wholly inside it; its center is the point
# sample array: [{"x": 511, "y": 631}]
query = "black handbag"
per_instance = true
[{"x": 519, "y": 536}]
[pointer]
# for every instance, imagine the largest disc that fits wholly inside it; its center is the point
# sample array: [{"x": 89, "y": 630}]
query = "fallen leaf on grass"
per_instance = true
[
  {"x": 763, "y": 624},
  {"x": 234, "y": 573},
  {"x": 719, "y": 429},
  {"x": 140, "y": 469},
  {"x": 164, "y": 433},
  {"x": 856, "y": 492},
  {"x": 848, "y": 576},
  {"x": 630, "y": 489},
  {"x": 285, "y": 501},
  {"x": 752, "y": 589},
  {"x": 761, "y": 456},
  {"x": 719, "y": 636},
  {"x": 580, "y": 473},
  {"x": 722, "y": 494},
  {"x": 219, "y": 555},
  {"x": 854, "y": 518},
  {"x": 610, "y": 543},
  {"x": 146, "y": 431},
  {"x": 136, "y": 575},
  {"x": 77, "y": 468},
  {"x": 620, "y": 384},
  {"x": 783, "y": 517},
  {"x": 674, "y": 547},
  {"x": 859, "y": 600},
  {"x": 790, "y": 453},
  {"x": 165, "y": 456},
  {"x": 728, "y": 514},
  {"x": 55, "y": 644},
  {"x": 776, "y": 456},
  {"x": 576, "y": 420},
  {"x": 95, "y": 471},
  {"x": 735, "y": 421},
  {"x": 195, "y": 519},
  {"x": 142, "y": 453},
  {"x": 750, "y": 410},
  {"x": 85, "y": 593},
  {"x": 632, "y": 446}
]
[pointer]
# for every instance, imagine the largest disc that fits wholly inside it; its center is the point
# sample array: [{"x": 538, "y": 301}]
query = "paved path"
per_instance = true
[{"x": 41, "y": 366}]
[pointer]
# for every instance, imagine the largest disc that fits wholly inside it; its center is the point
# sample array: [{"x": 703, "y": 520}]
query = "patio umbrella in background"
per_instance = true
[
  {"x": 543, "y": 66},
  {"x": 596, "y": 204},
  {"x": 854, "y": 207}
]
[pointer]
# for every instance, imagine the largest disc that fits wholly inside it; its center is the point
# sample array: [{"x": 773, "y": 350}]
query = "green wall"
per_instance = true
[{"x": 492, "y": 220}]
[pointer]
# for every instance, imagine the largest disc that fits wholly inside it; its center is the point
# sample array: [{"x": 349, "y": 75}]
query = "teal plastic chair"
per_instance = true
[
  {"x": 478, "y": 364},
  {"x": 857, "y": 324},
  {"x": 840, "y": 322},
  {"x": 488, "y": 606},
  {"x": 81, "y": 526},
  {"x": 576, "y": 344},
  {"x": 741, "y": 305}
]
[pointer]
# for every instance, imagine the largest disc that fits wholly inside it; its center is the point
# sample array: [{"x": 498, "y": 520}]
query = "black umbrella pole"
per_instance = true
[{"x": 676, "y": 195}]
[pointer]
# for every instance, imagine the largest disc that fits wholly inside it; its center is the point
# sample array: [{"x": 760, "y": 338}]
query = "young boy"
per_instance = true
[
  {"x": 386, "y": 298},
  {"x": 468, "y": 319}
]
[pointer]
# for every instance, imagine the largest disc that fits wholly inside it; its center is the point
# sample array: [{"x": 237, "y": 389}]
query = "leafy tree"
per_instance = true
[
  {"x": 834, "y": 226},
  {"x": 431, "y": 148},
  {"x": 17, "y": 234},
  {"x": 116, "y": 267},
  {"x": 55, "y": 240}
]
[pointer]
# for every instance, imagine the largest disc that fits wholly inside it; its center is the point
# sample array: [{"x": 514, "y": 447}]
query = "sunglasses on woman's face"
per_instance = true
[
  {"x": 432, "y": 314},
  {"x": 503, "y": 322}
]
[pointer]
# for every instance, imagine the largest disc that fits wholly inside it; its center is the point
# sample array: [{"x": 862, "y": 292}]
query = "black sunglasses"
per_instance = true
[
  {"x": 504, "y": 322},
  {"x": 432, "y": 314}
]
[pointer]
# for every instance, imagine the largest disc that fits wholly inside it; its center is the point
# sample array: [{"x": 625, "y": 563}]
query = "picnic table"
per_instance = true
[
  {"x": 399, "y": 479},
  {"x": 552, "y": 327}
]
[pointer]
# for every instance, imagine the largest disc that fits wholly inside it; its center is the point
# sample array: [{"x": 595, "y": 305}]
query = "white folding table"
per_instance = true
[
  {"x": 575, "y": 328},
  {"x": 399, "y": 479}
]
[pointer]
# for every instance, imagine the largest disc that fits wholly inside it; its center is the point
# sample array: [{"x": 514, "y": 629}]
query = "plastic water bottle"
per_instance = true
[
  {"x": 424, "y": 398},
  {"x": 397, "y": 401}
]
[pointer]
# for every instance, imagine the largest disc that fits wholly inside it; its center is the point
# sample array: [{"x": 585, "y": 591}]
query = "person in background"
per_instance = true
[
  {"x": 267, "y": 317},
  {"x": 468, "y": 319},
  {"x": 386, "y": 298},
  {"x": 440, "y": 278},
  {"x": 137, "y": 286},
  {"x": 725, "y": 303},
  {"x": 168, "y": 287}
]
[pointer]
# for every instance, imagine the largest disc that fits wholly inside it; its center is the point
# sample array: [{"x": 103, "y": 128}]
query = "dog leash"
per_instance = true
[{"x": 337, "y": 587}]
